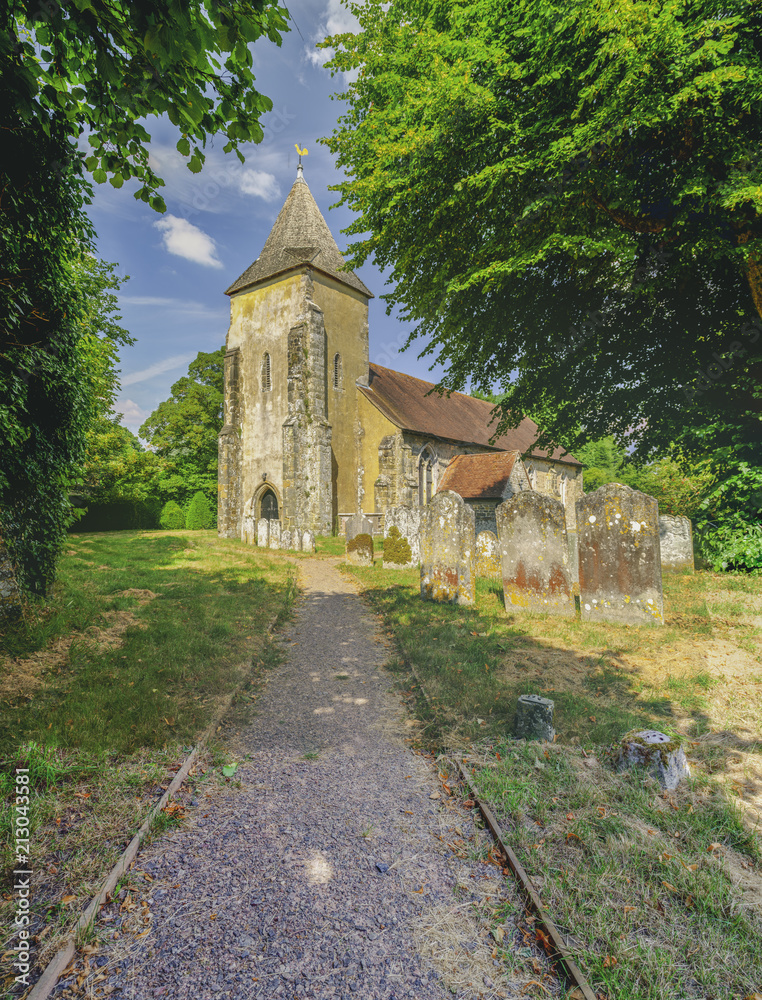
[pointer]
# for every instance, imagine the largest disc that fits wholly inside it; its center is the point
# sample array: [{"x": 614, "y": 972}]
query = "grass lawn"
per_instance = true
[
  {"x": 103, "y": 693},
  {"x": 660, "y": 894}
]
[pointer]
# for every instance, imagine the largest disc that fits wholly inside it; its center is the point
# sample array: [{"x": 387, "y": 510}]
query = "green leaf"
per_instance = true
[
  {"x": 229, "y": 770},
  {"x": 183, "y": 146}
]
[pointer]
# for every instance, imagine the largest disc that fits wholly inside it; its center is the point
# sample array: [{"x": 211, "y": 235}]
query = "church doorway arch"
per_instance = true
[{"x": 268, "y": 505}]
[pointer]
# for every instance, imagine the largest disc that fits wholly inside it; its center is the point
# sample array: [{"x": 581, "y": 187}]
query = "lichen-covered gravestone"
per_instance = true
[
  {"x": 308, "y": 541},
  {"x": 273, "y": 538},
  {"x": 657, "y": 753},
  {"x": 285, "y": 539},
  {"x": 676, "y": 543},
  {"x": 358, "y": 524},
  {"x": 619, "y": 556},
  {"x": 360, "y": 550},
  {"x": 488, "y": 556},
  {"x": 263, "y": 532},
  {"x": 534, "y": 553},
  {"x": 448, "y": 543},
  {"x": 534, "y": 718},
  {"x": 408, "y": 522}
]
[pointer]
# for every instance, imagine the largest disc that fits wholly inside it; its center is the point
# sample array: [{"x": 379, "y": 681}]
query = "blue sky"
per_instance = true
[{"x": 216, "y": 222}]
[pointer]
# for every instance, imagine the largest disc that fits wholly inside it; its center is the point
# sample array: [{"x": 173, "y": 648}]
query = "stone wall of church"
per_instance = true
[{"x": 558, "y": 480}]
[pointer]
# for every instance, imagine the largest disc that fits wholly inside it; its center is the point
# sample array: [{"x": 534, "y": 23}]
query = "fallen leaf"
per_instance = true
[
  {"x": 68, "y": 899},
  {"x": 628, "y": 909},
  {"x": 498, "y": 934},
  {"x": 608, "y": 961},
  {"x": 570, "y": 816},
  {"x": 668, "y": 885}
]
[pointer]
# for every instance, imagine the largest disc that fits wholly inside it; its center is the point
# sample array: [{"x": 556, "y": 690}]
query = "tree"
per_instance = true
[
  {"x": 568, "y": 198},
  {"x": 172, "y": 517},
  {"x": 183, "y": 429},
  {"x": 103, "y": 67},
  {"x": 200, "y": 515}
]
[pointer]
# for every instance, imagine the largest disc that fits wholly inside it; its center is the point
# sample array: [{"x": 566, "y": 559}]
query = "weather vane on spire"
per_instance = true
[{"x": 301, "y": 152}]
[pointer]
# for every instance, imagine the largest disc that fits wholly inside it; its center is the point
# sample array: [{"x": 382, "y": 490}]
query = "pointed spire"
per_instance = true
[{"x": 300, "y": 236}]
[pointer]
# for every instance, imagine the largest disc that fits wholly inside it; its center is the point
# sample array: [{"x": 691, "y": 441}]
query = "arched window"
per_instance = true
[
  {"x": 266, "y": 379},
  {"x": 425, "y": 475},
  {"x": 268, "y": 507},
  {"x": 532, "y": 473},
  {"x": 338, "y": 376},
  {"x": 563, "y": 483}
]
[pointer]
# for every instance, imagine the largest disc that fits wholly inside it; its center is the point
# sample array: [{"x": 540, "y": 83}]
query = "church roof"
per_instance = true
[
  {"x": 479, "y": 477},
  {"x": 300, "y": 236},
  {"x": 405, "y": 401}
]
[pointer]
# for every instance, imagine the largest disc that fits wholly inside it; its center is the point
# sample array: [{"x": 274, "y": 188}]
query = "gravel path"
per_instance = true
[{"x": 329, "y": 873}]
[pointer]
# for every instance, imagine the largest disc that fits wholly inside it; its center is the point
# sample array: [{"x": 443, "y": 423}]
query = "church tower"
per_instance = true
[{"x": 297, "y": 346}]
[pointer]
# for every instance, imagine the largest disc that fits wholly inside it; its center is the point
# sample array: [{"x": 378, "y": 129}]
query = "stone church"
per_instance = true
[{"x": 313, "y": 431}]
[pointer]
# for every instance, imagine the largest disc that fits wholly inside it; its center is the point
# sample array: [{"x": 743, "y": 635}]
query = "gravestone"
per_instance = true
[
  {"x": 358, "y": 524},
  {"x": 534, "y": 552},
  {"x": 407, "y": 520},
  {"x": 619, "y": 556},
  {"x": 663, "y": 758},
  {"x": 263, "y": 532},
  {"x": 571, "y": 534},
  {"x": 285, "y": 539},
  {"x": 448, "y": 544},
  {"x": 360, "y": 550},
  {"x": 10, "y": 598},
  {"x": 676, "y": 543},
  {"x": 273, "y": 540},
  {"x": 487, "y": 556},
  {"x": 308, "y": 541},
  {"x": 534, "y": 718},
  {"x": 248, "y": 529},
  {"x": 296, "y": 538}
]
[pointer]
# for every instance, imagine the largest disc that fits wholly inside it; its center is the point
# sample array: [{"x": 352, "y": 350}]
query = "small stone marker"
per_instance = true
[
  {"x": 285, "y": 539},
  {"x": 308, "y": 541},
  {"x": 619, "y": 556},
  {"x": 676, "y": 543},
  {"x": 358, "y": 524},
  {"x": 662, "y": 757},
  {"x": 488, "y": 556},
  {"x": 273, "y": 541},
  {"x": 535, "y": 554},
  {"x": 448, "y": 543},
  {"x": 407, "y": 520},
  {"x": 360, "y": 550},
  {"x": 263, "y": 532},
  {"x": 534, "y": 718}
]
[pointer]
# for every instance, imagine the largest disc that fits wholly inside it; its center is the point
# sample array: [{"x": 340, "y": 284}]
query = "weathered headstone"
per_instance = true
[
  {"x": 296, "y": 538},
  {"x": 273, "y": 540},
  {"x": 534, "y": 553},
  {"x": 676, "y": 542},
  {"x": 619, "y": 556},
  {"x": 573, "y": 555},
  {"x": 360, "y": 550},
  {"x": 657, "y": 753},
  {"x": 534, "y": 718},
  {"x": 10, "y": 598},
  {"x": 448, "y": 544},
  {"x": 285, "y": 539},
  {"x": 358, "y": 524},
  {"x": 488, "y": 556},
  {"x": 408, "y": 522},
  {"x": 308, "y": 541},
  {"x": 263, "y": 532},
  {"x": 248, "y": 528}
]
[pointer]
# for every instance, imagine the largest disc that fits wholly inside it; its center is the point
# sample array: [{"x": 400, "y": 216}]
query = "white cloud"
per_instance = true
[
  {"x": 167, "y": 365},
  {"x": 259, "y": 184},
  {"x": 132, "y": 414},
  {"x": 180, "y": 307},
  {"x": 337, "y": 20},
  {"x": 183, "y": 239}
]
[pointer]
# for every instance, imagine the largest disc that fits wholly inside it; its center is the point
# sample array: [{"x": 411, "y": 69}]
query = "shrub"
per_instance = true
[
  {"x": 200, "y": 515},
  {"x": 172, "y": 516},
  {"x": 397, "y": 548}
]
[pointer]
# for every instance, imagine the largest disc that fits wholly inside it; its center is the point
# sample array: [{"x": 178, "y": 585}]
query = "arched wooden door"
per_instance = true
[{"x": 268, "y": 508}]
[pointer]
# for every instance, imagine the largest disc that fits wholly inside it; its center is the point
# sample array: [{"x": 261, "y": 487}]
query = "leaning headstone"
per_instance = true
[
  {"x": 448, "y": 543},
  {"x": 657, "y": 753},
  {"x": 273, "y": 540},
  {"x": 285, "y": 539},
  {"x": 619, "y": 556},
  {"x": 407, "y": 520},
  {"x": 487, "y": 556},
  {"x": 534, "y": 718},
  {"x": 308, "y": 541},
  {"x": 360, "y": 550},
  {"x": 534, "y": 553},
  {"x": 263, "y": 532},
  {"x": 676, "y": 542},
  {"x": 358, "y": 524}
]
